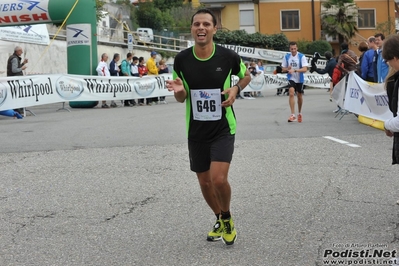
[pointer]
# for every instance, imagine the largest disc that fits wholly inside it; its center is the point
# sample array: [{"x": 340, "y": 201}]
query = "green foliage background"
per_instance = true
[{"x": 241, "y": 37}]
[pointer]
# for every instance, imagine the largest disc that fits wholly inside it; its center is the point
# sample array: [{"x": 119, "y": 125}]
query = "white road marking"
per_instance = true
[{"x": 342, "y": 142}]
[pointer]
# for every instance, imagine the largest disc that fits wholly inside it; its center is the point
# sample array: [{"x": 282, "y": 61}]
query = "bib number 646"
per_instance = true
[{"x": 207, "y": 105}]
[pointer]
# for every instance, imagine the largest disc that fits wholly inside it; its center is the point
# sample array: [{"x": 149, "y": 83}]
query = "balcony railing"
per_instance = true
[{"x": 118, "y": 36}]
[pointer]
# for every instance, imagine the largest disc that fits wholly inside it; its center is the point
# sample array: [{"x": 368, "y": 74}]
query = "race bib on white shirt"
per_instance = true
[{"x": 206, "y": 104}]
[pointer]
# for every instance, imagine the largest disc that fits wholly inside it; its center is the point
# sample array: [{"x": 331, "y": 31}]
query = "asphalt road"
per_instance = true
[{"x": 113, "y": 187}]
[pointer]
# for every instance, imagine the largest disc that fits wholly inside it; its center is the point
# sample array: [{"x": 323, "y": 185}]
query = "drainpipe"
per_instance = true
[{"x": 313, "y": 22}]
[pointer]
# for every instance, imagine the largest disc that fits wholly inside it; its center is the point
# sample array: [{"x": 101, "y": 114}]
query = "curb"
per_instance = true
[{"x": 378, "y": 124}]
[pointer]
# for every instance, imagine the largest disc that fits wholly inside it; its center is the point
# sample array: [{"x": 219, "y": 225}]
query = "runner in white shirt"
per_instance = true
[{"x": 295, "y": 64}]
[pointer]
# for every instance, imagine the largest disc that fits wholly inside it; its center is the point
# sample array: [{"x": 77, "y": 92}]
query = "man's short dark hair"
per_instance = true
[
  {"x": 135, "y": 58},
  {"x": 129, "y": 55},
  {"x": 344, "y": 46},
  {"x": 328, "y": 55},
  {"x": 371, "y": 40},
  {"x": 116, "y": 55},
  {"x": 363, "y": 47},
  {"x": 293, "y": 43},
  {"x": 205, "y": 11},
  {"x": 380, "y": 35}
]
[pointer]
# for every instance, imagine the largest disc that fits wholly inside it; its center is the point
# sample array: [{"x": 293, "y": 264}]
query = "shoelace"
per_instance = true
[
  {"x": 216, "y": 227},
  {"x": 227, "y": 228}
]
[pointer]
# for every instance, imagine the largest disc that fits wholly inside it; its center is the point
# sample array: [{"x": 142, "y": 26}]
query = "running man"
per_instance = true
[
  {"x": 295, "y": 64},
  {"x": 202, "y": 78}
]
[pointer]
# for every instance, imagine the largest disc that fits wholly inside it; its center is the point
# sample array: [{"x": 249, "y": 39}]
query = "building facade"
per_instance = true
[
  {"x": 298, "y": 19},
  {"x": 235, "y": 14}
]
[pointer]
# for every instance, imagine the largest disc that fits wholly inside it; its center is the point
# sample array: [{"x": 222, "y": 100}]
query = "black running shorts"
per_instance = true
[
  {"x": 297, "y": 86},
  {"x": 201, "y": 154}
]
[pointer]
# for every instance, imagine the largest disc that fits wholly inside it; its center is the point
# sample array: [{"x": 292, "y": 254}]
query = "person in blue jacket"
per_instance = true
[
  {"x": 367, "y": 62},
  {"x": 380, "y": 65}
]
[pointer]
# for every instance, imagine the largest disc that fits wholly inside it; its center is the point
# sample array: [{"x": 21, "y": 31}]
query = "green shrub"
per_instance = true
[{"x": 319, "y": 46}]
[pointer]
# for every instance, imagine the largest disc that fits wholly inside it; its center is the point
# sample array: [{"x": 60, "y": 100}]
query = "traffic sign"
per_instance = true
[{"x": 130, "y": 42}]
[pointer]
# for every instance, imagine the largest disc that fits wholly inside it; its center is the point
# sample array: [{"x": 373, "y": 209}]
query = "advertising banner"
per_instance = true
[
  {"x": 78, "y": 34},
  {"x": 24, "y": 12},
  {"x": 362, "y": 97},
  {"x": 17, "y": 92},
  {"x": 311, "y": 80},
  {"x": 266, "y": 54},
  {"x": 37, "y": 34}
]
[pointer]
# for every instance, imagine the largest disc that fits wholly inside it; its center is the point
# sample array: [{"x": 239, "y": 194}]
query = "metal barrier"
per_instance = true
[{"x": 118, "y": 36}]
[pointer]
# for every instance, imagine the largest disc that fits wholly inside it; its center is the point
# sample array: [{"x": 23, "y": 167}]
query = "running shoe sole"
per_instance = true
[{"x": 231, "y": 242}]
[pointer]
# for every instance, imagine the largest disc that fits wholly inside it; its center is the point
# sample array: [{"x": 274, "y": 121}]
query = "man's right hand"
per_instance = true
[
  {"x": 24, "y": 67},
  {"x": 175, "y": 85}
]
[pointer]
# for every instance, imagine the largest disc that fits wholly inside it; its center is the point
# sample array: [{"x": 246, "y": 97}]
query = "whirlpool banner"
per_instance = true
[{"x": 26, "y": 91}]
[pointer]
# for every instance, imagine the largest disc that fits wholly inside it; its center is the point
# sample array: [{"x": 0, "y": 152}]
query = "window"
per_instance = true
[
  {"x": 247, "y": 18},
  {"x": 366, "y": 18},
  {"x": 290, "y": 20}
]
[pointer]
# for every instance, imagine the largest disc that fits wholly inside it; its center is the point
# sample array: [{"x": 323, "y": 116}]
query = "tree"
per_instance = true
[
  {"x": 173, "y": 15},
  {"x": 388, "y": 27},
  {"x": 165, "y": 5},
  {"x": 100, "y": 9},
  {"x": 340, "y": 18},
  {"x": 148, "y": 16}
]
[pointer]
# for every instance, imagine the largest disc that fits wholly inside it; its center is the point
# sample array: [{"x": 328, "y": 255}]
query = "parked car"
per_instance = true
[
  {"x": 145, "y": 34},
  {"x": 269, "y": 68}
]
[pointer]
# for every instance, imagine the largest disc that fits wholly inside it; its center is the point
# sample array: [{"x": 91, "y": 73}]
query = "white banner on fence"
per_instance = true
[
  {"x": 311, "y": 80},
  {"x": 266, "y": 54},
  {"x": 363, "y": 98},
  {"x": 37, "y": 34},
  {"x": 17, "y": 92},
  {"x": 338, "y": 93}
]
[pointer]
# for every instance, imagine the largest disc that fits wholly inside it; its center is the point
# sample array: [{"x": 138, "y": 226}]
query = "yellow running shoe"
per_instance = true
[
  {"x": 217, "y": 231},
  {"x": 229, "y": 232}
]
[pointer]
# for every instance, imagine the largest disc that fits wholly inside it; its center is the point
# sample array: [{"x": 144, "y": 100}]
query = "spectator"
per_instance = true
[
  {"x": 153, "y": 70},
  {"x": 15, "y": 67},
  {"x": 125, "y": 69},
  {"x": 347, "y": 62},
  {"x": 114, "y": 71},
  {"x": 363, "y": 47},
  {"x": 134, "y": 67},
  {"x": 367, "y": 70},
  {"x": 163, "y": 68},
  {"x": 348, "y": 58},
  {"x": 390, "y": 54},
  {"x": 102, "y": 70},
  {"x": 254, "y": 71},
  {"x": 380, "y": 66},
  {"x": 260, "y": 66},
  {"x": 331, "y": 63},
  {"x": 143, "y": 71}
]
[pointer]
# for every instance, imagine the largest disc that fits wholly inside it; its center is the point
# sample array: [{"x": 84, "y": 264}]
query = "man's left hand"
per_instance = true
[{"x": 232, "y": 92}]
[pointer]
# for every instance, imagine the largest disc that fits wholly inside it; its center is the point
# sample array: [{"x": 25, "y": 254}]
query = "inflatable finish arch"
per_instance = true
[{"x": 81, "y": 26}]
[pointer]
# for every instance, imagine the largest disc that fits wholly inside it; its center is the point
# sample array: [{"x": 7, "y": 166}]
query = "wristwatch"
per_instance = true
[{"x": 239, "y": 88}]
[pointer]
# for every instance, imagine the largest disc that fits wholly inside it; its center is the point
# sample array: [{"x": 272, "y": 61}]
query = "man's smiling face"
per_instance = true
[{"x": 203, "y": 29}]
